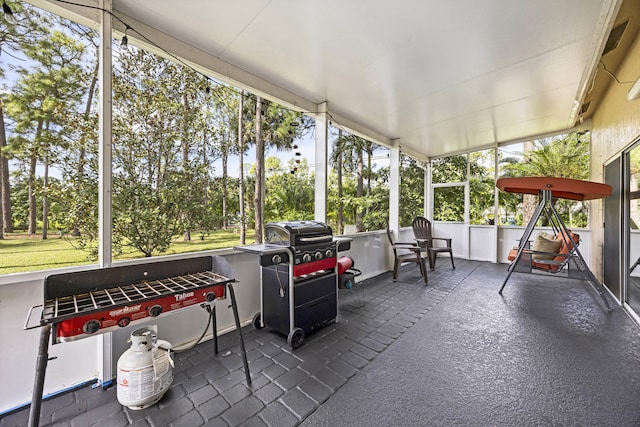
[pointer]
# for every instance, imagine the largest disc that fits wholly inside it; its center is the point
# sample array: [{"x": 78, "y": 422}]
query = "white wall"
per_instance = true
[
  {"x": 75, "y": 362},
  {"x": 459, "y": 234},
  {"x": 370, "y": 252},
  {"x": 482, "y": 242}
]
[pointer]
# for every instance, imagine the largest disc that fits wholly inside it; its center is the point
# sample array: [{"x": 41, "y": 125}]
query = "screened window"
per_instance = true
[
  {"x": 411, "y": 190},
  {"x": 358, "y": 183},
  {"x": 49, "y": 162},
  {"x": 482, "y": 187},
  {"x": 449, "y": 179}
]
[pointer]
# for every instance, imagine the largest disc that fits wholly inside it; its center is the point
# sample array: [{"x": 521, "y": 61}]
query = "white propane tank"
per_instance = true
[{"x": 145, "y": 371}]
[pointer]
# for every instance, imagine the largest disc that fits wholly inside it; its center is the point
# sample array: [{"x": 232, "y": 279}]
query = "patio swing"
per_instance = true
[{"x": 556, "y": 254}]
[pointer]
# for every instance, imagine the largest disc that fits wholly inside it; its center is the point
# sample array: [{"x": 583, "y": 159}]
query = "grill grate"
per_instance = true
[{"x": 59, "y": 308}]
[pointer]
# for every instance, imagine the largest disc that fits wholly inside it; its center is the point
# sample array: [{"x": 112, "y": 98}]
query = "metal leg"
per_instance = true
[
  {"x": 581, "y": 263},
  {"x": 423, "y": 267},
  {"x": 237, "y": 319},
  {"x": 38, "y": 383},
  {"x": 214, "y": 326},
  {"x": 525, "y": 236},
  {"x": 506, "y": 279}
]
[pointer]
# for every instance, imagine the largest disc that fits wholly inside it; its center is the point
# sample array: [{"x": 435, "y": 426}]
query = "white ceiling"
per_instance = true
[{"x": 435, "y": 76}]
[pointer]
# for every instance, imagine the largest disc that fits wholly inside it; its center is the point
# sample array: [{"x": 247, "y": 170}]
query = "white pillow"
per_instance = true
[{"x": 545, "y": 242}]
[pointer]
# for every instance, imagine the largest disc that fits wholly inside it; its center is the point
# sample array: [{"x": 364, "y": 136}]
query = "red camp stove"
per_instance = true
[
  {"x": 124, "y": 295},
  {"x": 87, "y": 303}
]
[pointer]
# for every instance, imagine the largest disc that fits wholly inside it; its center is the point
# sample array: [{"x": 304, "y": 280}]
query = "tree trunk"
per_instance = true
[
  {"x": 369, "y": 154},
  {"x": 243, "y": 225},
  {"x": 5, "y": 189},
  {"x": 340, "y": 205},
  {"x": 359, "y": 189},
  {"x": 45, "y": 200},
  {"x": 1, "y": 227},
  {"x": 529, "y": 201},
  {"x": 82, "y": 153},
  {"x": 32, "y": 195},
  {"x": 258, "y": 200},
  {"x": 185, "y": 161},
  {"x": 32, "y": 181},
  {"x": 225, "y": 191}
]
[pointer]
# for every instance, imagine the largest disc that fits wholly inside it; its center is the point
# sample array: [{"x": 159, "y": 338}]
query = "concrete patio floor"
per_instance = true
[{"x": 405, "y": 354}]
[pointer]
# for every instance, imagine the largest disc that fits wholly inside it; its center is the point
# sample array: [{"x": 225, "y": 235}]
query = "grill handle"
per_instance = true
[
  {"x": 316, "y": 239},
  {"x": 27, "y": 321}
]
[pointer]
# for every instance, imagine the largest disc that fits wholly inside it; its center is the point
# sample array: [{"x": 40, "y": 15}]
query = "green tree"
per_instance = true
[
  {"x": 46, "y": 89},
  {"x": 290, "y": 196},
  {"x": 565, "y": 156},
  {"x": 411, "y": 190},
  {"x": 31, "y": 27},
  {"x": 481, "y": 187},
  {"x": 152, "y": 184},
  {"x": 274, "y": 126}
]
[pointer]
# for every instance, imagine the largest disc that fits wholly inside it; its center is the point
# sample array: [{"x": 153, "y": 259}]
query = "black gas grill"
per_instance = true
[{"x": 298, "y": 278}]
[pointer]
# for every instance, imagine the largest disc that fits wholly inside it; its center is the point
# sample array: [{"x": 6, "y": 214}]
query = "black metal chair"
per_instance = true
[
  {"x": 401, "y": 256},
  {"x": 424, "y": 237}
]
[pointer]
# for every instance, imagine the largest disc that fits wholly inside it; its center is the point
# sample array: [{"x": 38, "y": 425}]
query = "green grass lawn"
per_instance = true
[{"x": 20, "y": 253}]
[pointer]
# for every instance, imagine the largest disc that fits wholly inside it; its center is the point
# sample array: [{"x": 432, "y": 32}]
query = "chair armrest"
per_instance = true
[
  {"x": 446, "y": 239},
  {"x": 555, "y": 254},
  {"x": 405, "y": 244}
]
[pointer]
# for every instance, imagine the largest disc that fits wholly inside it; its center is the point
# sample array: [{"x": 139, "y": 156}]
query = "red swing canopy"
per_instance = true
[{"x": 563, "y": 188}]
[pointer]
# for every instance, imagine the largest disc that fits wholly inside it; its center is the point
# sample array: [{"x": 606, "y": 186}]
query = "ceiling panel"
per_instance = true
[{"x": 439, "y": 76}]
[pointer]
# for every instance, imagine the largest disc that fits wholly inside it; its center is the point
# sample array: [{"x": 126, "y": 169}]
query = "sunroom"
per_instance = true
[{"x": 446, "y": 91}]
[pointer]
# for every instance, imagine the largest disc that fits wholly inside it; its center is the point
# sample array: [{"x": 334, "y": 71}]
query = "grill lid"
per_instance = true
[{"x": 296, "y": 233}]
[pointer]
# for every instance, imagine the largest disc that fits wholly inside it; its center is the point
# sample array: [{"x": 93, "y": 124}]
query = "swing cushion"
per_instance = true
[
  {"x": 546, "y": 243},
  {"x": 555, "y": 263},
  {"x": 563, "y": 255}
]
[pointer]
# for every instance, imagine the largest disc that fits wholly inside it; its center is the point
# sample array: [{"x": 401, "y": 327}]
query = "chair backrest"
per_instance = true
[
  {"x": 421, "y": 228},
  {"x": 391, "y": 242}
]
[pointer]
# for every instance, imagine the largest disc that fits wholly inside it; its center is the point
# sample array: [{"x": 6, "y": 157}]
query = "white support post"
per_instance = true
[
  {"x": 428, "y": 193},
  {"x": 496, "y": 204},
  {"x": 394, "y": 189},
  {"x": 105, "y": 348},
  {"x": 394, "y": 196},
  {"x": 321, "y": 162}
]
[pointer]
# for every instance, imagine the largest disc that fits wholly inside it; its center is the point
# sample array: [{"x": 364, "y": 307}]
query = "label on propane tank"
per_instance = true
[
  {"x": 161, "y": 361},
  {"x": 135, "y": 384}
]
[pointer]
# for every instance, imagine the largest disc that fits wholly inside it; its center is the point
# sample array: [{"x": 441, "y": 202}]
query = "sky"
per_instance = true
[{"x": 305, "y": 147}]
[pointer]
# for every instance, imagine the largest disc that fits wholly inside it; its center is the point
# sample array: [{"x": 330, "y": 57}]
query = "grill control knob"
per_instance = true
[
  {"x": 91, "y": 326},
  {"x": 211, "y": 296},
  {"x": 318, "y": 255},
  {"x": 328, "y": 253},
  {"x": 306, "y": 257},
  {"x": 155, "y": 310}
]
